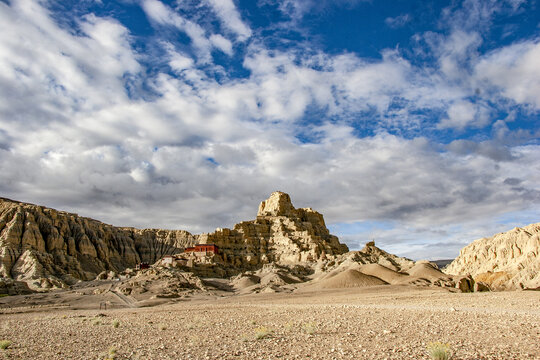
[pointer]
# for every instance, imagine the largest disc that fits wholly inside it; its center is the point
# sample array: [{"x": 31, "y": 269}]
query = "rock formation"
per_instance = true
[
  {"x": 49, "y": 248},
  {"x": 507, "y": 260},
  {"x": 280, "y": 234}
]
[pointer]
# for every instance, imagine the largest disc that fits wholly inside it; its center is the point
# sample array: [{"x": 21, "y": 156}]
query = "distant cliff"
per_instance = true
[
  {"x": 45, "y": 247},
  {"x": 507, "y": 260}
]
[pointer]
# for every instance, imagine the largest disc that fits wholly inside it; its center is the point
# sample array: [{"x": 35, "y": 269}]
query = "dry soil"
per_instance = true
[{"x": 379, "y": 322}]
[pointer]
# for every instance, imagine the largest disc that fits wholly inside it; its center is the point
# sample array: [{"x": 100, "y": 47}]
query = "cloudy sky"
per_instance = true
[{"x": 414, "y": 123}]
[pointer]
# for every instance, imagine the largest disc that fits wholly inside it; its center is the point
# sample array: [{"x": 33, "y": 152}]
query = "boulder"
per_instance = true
[
  {"x": 480, "y": 286},
  {"x": 465, "y": 283}
]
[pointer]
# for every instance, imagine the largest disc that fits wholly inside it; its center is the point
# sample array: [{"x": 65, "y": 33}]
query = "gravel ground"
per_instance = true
[{"x": 389, "y": 322}]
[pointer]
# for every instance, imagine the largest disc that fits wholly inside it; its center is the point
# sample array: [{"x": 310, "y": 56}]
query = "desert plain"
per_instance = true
[{"x": 374, "y": 322}]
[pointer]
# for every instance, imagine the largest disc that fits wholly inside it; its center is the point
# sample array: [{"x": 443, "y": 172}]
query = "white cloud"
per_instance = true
[
  {"x": 163, "y": 15},
  {"x": 230, "y": 17},
  {"x": 515, "y": 70},
  {"x": 222, "y": 43},
  {"x": 198, "y": 154},
  {"x": 398, "y": 21},
  {"x": 464, "y": 114},
  {"x": 477, "y": 14},
  {"x": 296, "y": 9}
]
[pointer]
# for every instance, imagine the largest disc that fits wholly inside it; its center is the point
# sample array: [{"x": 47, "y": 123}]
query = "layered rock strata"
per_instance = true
[
  {"x": 507, "y": 260},
  {"x": 280, "y": 234},
  {"x": 48, "y": 248}
]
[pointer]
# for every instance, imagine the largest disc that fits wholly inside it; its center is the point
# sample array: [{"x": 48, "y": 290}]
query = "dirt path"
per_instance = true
[{"x": 128, "y": 301}]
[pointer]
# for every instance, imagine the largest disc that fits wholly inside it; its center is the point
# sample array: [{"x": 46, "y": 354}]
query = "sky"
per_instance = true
[{"x": 411, "y": 123}]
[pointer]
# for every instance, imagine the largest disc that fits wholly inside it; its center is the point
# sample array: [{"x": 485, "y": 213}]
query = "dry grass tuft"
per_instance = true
[
  {"x": 112, "y": 353},
  {"x": 262, "y": 332},
  {"x": 439, "y": 351},
  {"x": 310, "y": 328}
]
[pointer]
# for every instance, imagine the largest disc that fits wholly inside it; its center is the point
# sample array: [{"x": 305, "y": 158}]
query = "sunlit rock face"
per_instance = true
[
  {"x": 46, "y": 247},
  {"x": 507, "y": 260},
  {"x": 280, "y": 234}
]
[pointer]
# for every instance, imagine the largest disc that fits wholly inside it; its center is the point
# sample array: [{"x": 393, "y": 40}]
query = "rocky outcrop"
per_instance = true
[
  {"x": 507, "y": 260},
  {"x": 49, "y": 248},
  {"x": 280, "y": 234},
  {"x": 13, "y": 287}
]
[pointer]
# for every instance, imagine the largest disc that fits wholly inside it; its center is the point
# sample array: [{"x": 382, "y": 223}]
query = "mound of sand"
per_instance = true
[
  {"x": 426, "y": 270},
  {"x": 348, "y": 279},
  {"x": 383, "y": 273},
  {"x": 277, "y": 279},
  {"x": 245, "y": 281}
]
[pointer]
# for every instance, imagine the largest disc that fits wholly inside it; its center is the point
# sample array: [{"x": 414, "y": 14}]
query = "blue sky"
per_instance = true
[{"x": 414, "y": 123}]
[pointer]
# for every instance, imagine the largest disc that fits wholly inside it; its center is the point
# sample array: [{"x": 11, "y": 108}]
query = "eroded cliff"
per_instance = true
[
  {"x": 507, "y": 260},
  {"x": 280, "y": 234},
  {"x": 46, "y": 247},
  {"x": 49, "y": 248}
]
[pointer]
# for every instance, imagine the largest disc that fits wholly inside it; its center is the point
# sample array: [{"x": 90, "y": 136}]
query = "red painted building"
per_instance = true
[{"x": 203, "y": 248}]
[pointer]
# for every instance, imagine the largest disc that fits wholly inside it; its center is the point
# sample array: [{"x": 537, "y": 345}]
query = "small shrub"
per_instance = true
[
  {"x": 262, "y": 332},
  {"x": 289, "y": 326},
  {"x": 112, "y": 354},
  {"x": 162, "y": 327},
  {"x": 96, "y": 322},
  {"x": 439, "y": 351},
  {"x": 116, "y": 323},
  {"x": 310, "y": 328},
  {"x": 4, "y": 344},
  {"x": 3, "y": 295}
]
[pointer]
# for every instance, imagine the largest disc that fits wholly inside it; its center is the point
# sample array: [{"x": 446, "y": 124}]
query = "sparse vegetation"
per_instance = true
[
  {"x": 3, "y": 295},
  {"x": 310, "y": 328},
  {"x": 439, "y": 351},
  {"x": 112, "y": 353},
  {"x": 96, "y": 322},
  {"x": 162, "y": 327},
  {"x": 116, "y": 323},
  {"x": 4, "y": 344},
  {"x": 262, "y": 332}
]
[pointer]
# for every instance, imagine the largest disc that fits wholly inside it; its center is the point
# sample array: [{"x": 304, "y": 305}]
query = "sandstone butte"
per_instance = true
[
  {"x": 507, "y": 260},
  {"x": 48, "y": 248}
]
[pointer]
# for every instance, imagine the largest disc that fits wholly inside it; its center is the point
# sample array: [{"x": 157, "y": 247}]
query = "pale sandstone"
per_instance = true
[
  {"x": 45, "y": 247},
  {"x": 280, "y": 234},
  {"x": 507, "y": 260}
]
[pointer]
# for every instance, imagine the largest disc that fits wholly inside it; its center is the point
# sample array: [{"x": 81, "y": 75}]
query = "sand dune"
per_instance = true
[
  {"x": 383, "y": 273},
  {"x": 426, "y": 270},
  {"x": 348, "y": 279}
]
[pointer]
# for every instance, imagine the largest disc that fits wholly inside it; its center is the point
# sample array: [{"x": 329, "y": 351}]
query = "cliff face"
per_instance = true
[
  {"x": 280, "y": 234},
  {"x": 505, "y": 261},
  {"x": 45, "y": 247}
]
